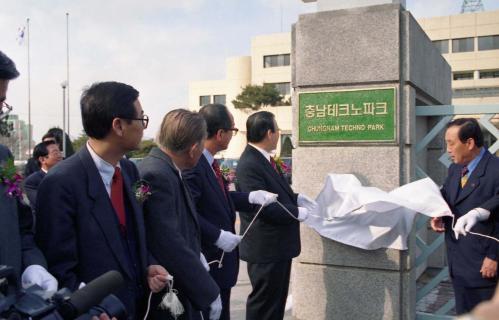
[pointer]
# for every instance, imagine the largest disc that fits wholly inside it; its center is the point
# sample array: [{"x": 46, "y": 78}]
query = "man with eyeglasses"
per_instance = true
[
  {"x": 47, "y": 154},
  {"x": 17, "y": 246},
  {"x": 89, "y": 220},
  {"x": 216, "y": 205}
]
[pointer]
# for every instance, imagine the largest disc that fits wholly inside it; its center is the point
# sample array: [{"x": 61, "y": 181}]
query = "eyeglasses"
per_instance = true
[
  {"x": 144, "y": 119},
  {"x": 234, "y": 130}
]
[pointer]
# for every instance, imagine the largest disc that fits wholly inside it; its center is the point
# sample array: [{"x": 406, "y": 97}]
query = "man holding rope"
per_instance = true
[
  {"x": 217, "y": 206},
  {"x": 471, "y": 190},
  {"x": 273, "y": 238}
]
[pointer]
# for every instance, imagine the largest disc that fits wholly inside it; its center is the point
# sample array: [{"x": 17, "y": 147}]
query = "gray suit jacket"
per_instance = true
[
  {"x": 172, "y": 231},
  {"x": 17, "y": 245}
]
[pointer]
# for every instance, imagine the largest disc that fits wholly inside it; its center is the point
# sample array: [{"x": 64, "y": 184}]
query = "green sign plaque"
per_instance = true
[{"x": 345, "y": 116}]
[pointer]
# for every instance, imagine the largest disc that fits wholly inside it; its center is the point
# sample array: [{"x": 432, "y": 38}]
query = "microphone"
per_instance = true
[{"x": 91, "y": 295}]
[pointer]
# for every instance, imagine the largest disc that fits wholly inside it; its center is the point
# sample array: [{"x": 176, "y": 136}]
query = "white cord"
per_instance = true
[
  {"x": 148, "y": 305},
  {"x": 475, "y": 233}
]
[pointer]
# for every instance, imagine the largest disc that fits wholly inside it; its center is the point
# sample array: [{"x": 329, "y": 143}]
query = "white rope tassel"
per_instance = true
[{"x": 171, "y": 302}]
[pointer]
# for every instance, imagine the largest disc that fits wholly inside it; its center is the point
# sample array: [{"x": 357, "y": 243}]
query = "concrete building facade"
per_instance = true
[{"x": 469, "y": 42}]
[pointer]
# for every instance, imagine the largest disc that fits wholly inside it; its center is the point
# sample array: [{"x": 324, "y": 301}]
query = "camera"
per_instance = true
[{"x": 33, "y": 303}]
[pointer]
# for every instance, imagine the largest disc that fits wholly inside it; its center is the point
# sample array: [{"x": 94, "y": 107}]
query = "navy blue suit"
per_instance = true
[
  {"x": 17, "y": 244},
  {"x": 216, "y": 212},
  {"x": 173, "y": 235},
  {"x": 78, "y": 228},
  {"x": 31, "y": 186},
  {"x": 272, "y": 241},
  {"x": 466, "y": 255}
]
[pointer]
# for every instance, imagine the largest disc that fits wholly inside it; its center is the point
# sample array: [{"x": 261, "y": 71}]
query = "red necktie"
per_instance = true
[
  {"x": 117, "y": 197},
  {"x": 218, "y": 173}
]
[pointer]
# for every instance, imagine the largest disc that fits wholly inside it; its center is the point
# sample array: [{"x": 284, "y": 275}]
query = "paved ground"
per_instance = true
[
  {"x": 240, "y": 293},
  {"x": 429, "y": 304}
]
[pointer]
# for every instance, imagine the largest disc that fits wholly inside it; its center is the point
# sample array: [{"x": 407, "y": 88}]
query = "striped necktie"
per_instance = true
[{"x": 464, "y": 176}]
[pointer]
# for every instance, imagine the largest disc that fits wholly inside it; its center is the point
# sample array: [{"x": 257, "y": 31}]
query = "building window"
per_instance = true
[
  {"x": 220, "y": 98},
  {"x": 276, "y": 60},
  {"x": 468, "y": 75},
  {"x": 204, "y": 100},
  {"x": 488, "y": 43},
  {"x": 442, "y": 45},
  {"x": 463, "y": 45},
  {"x": 284, "y": 88},
  {"x": 489, "y": 74}
]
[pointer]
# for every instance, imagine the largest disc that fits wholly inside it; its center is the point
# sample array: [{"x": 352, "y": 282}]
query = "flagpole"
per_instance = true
[
  {"x": 29, "y": 94},
  {"x": 67, "y": 67}
]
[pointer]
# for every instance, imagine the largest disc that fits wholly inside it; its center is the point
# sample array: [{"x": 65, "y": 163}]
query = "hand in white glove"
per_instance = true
[
  {"x": 262, "y": 197},
  {"x": 216, "y": 308},
  {"x": 204, "y": 262},
  {"x": 466, "y": 222},
  {"x": 227, "y": 241},
  {"x": 302, "y": 214},
  {"x": 305, "y": 201},
  {"x": 36, "y": 274}
]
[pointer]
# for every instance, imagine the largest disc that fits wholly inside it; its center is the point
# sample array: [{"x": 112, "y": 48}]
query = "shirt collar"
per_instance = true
[
  {"x": 264, "y": 152},
  {"x": 208, "y": 156},
  {"x": 474, "y": 163},
  {"x": 106, "y": 170}
]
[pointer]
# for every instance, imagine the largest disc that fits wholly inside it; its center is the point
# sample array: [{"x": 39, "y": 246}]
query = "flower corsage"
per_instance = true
[{"x": 142, "y": 190}]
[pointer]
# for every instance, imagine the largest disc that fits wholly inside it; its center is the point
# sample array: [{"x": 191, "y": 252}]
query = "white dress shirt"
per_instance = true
[{"x": 106, "y": 170}]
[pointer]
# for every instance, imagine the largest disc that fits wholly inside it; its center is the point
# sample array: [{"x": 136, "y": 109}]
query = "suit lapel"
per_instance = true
[
  {"x": 161, "y": 155},
  {"x": 474, "y": 180},
  {"x": 210, "y": 176},
  {"x": 454, "y": 185},
  {"x": 270, "y": 170},
  {"x": 103, "y": 211},
  {"x": 136, "y": 214}
]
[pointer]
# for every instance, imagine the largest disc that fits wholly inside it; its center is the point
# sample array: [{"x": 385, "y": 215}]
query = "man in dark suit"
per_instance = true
[
  {"x": 173, "y": 233},
  {"x": 88, "y": 218},
  {"x": 471, "y": 190},
  {"x": 17, "y": 245},
  {"x": 274, "y": 238},
  {"x": 47, "y": 154},
  {"x": 216, "y": 205}
]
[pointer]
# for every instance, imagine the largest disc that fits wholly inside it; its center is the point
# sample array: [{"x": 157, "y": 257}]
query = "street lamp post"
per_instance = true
[{"x": 64, "y": 85}]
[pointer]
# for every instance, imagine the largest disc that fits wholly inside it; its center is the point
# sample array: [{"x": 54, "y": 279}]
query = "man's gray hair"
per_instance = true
[{"x": 181, "y": 129}]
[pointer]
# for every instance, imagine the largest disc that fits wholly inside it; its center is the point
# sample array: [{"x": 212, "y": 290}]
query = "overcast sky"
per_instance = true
[{"x": 158, "y": 46}]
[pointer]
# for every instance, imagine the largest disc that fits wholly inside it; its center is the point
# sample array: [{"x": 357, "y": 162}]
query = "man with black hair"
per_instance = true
[
  {"x": 47, "y": 154},
  {"x": 33, "y": 165},
  {"x": 216, "y": 205},
  {"x": 89, "y": 220},
  {"x": 17, "y": 246},
  {"x": 274, "y": 238},
  {"x": 471, "y": 190}
]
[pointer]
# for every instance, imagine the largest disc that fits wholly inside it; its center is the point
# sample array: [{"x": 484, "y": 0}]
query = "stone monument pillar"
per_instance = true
[{"x": 358, "y": 74}]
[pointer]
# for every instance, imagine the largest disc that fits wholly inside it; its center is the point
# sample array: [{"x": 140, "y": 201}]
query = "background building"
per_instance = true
[
  {"x": 469, "y": 42},
  {"x": 18, "y": 139}
]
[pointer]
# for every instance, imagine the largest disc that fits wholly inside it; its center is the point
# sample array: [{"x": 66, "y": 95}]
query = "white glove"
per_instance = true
[
  {"x": 302, "y": 214},
  {"x": 216, "y": 308},
  {"x": 36, "y": 274},
  {"x": 204, "y": 262},
  {"x": 305, "y": 201},
  {"x": 262, "y": 197},
  {"x": 466, "y": 222},
  {"x": 227, "y": 241}
]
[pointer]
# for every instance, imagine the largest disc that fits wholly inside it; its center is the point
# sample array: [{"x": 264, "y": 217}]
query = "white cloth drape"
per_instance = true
[{"x": 370, "y": 218}]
